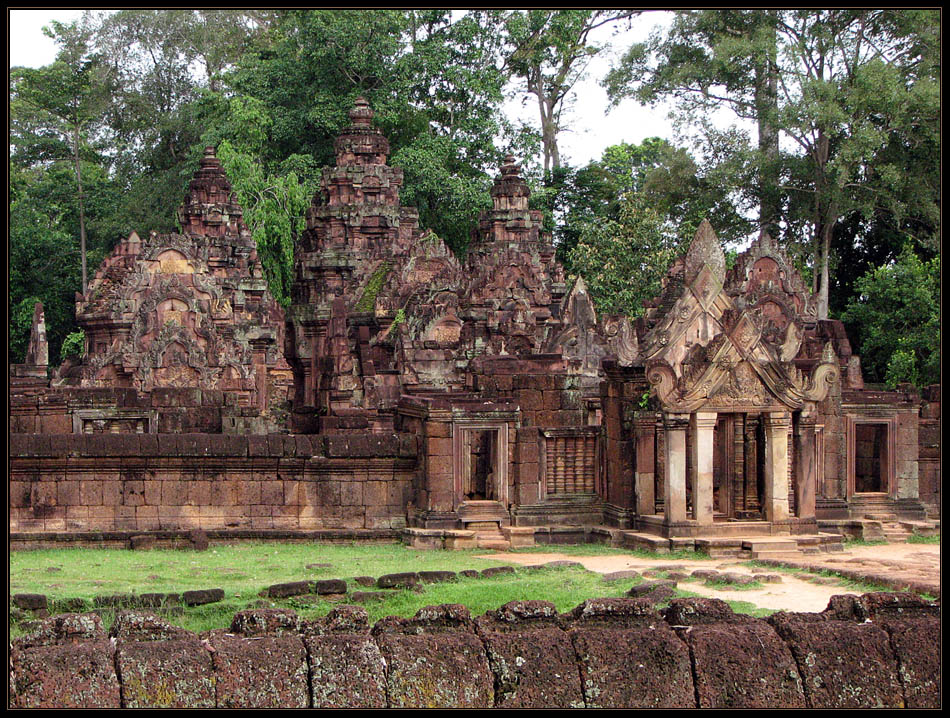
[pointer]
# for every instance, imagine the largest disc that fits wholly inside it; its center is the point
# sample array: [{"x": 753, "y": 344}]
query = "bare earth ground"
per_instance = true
[{"x": 918, "y": 564}]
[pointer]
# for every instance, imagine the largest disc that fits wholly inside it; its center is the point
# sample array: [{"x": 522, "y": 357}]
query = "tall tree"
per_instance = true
[
  {"x": 63, "y": 102},
  {"x": 845, "y": 85},
  {"x": 549, "y": 50}
]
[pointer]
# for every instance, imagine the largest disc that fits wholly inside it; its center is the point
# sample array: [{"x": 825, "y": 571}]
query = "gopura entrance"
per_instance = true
[{"x": 736, "y": 426}]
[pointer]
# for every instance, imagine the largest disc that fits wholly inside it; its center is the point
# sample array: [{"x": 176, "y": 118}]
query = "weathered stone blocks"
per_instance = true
[
  {"x": 629, "y": 656},
  {"x": 435, "y": 660}
]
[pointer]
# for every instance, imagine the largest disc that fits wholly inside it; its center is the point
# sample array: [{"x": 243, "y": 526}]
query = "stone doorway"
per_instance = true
[
  {"x": 738, "y": 467},
  {"x": 480, "y": 457}
]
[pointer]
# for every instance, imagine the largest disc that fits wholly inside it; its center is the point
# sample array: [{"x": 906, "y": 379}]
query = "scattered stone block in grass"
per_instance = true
[
  {"x": 70, "y": 605},
  {"x": 329, "y": 586},
  {"x": 676, "y": 576},
  {"x": 398, "y": 580},
  {"x": 496, "y": 571},
  {"x": 767, "y": 578},
  {"x": 621, "y": 575},
  {"x": 365, "y": 580},
  {"x": 470, "y": 573},
  {"x": 30, "y": 601},
  {"x": 285, "y": 590},
  {"x": 705, "y": 573},
  {"x": 437, "y": 576},
  {"x": 736, "y": 579},
  {"x": 203, "y": 596},
  {"x": 564, "y": 564}
]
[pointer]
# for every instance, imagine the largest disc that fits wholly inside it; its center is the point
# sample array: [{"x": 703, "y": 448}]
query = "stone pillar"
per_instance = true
[
  {"x": 644, "y": 475},
  {"x": 674, "y": 486},
  {"x": 776, "y": 465},
  {"x": 806, "y": 466},
  {"x": 702, "y": 426}
]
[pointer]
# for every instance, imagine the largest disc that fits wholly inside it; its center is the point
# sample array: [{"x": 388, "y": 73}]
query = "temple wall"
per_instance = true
[
  {"x": 146, "y": 482},
  {"x": 875, "y": 650}
]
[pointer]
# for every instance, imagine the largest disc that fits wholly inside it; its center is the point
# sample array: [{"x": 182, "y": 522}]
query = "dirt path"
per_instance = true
[{"x": 918, "y": 563}]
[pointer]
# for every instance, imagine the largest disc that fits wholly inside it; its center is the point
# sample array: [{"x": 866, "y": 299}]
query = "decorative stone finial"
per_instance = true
[
  {"x": 510, "y": 168},
  {"x": 362, "y": 114},
  {"x": 704, "y": 250}
]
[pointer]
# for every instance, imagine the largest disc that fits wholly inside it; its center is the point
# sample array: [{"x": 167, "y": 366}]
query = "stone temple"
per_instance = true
[{"x": 453, "y": 401}]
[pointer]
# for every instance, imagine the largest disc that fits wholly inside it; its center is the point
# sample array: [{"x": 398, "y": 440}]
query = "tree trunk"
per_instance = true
[
  {"x": 82, "y": 216},
  {"x": 766, "y": 110}
]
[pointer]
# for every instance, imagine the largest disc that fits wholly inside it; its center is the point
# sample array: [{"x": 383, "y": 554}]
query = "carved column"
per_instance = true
[
  {"x": 675, "y": 480},
  {"x": 776, "y": 465},
  {"x": 645, "y": 434},
  {"x": 702, "y": 425},
  {"x": 806, "y": 466}
]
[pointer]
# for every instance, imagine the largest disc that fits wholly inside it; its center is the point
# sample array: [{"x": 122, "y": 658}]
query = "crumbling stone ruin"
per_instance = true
[
  {"x": 606, "y": 653},
  {"x": 462, "y": 401}
]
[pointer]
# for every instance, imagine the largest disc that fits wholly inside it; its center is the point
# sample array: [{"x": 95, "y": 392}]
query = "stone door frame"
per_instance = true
[{"x": 462, "y": 431}]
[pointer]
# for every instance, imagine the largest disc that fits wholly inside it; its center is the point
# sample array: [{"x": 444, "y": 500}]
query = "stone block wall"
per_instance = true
[
  {"x": 928, "y": 436},
  {"x": 143, "y": 482},
  {"x": 869, "y": 651}
]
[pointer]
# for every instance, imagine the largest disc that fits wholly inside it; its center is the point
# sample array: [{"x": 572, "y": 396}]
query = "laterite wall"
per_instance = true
[{"x": 871, "y": 651}]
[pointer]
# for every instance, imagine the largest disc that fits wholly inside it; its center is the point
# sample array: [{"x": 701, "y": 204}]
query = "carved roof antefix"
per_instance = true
[
  {"x": 705, "y": 349},
  {"x": 764, "y": 274}
]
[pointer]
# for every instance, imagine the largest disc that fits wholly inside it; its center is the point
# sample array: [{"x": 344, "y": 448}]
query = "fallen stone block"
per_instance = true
[
  {"x": 496, "y": 571},
  {"x": 398, "y": 580},
  {"x": 30, "y": 601},
  {"x": 203, "y": 596},
  {"x": 437, "y": 576},
  {"x": 329, "y": 586},
  {"x": 284, "y": 590}
]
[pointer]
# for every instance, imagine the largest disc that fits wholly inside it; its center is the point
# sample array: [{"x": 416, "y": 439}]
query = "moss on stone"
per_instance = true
[{"x": 367, "y": 302}]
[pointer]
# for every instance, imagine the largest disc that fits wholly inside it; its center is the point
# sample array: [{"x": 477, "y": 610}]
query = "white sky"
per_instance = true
[{"x": 590, "y": 127}]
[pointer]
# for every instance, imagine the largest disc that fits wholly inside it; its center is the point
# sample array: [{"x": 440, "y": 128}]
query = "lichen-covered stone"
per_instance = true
[
  {"x": 435, "y": 660},
  {"x": 702, "y": 611},
  {"x": 842, "y": 664},
  {"x": 171, "y": 673},
  {"x": 628, "y": 656},
  {"x": 161, "y": 665},
  {"x": 916, "y": 643},
  {"x": 265, "y": 620},
  {"x": 70, "y": 675},
  {"x": 531, "y": 656},
  {"x": 260, "y": 672},
  {"x": 743, "y": 666}
]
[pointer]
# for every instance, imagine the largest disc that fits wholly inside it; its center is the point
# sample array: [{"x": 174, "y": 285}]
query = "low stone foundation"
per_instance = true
[{"x": 870, "y": 651}]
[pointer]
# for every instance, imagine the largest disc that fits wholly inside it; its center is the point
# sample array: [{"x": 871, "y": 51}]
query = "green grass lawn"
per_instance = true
[
  {"x": 919, "y": 538},
  {"x": 243, "y": 570}
]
